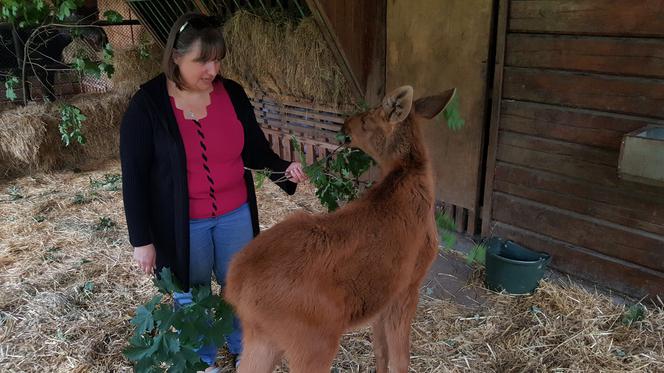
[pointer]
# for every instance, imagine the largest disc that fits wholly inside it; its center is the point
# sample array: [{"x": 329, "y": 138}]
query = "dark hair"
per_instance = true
[{"x": 187, "y": 30}]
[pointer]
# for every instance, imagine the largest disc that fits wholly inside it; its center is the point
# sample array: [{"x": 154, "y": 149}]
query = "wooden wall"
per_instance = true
[
  {"x": 573, "y": 78},
  {"x": 435, "y": 45}
]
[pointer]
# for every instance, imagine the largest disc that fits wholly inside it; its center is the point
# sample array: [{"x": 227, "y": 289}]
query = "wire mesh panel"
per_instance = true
[{"x": 159, "y": 16}]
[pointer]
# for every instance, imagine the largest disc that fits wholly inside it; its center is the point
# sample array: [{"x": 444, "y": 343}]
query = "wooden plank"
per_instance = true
[
  {"x": 619, "y": 56},
  {"x": 286, "y": 148},
  {"x": 494, "y": 124},
  {"x": 637, "y": 96},
  {"x": 579, "y": 126},
  {"x": 472, "y": 224},
  {"x": 459, "y": 219},
  {"x": 271, "y": 132},
  {"x": 582, "y": 152},
  {"x": 608, "y": 212},
  {"x": 631, "y": 279},
  {"x": 311, "y": 114},
  {"x": 572, "y": 167},
  {"x": 327, "y": 29},
  {"x": 628, "y": 244},
  {"x": 596, "y": 17},
  {"x": 643, "y": 206},
  {"x": 309, "y": 152},
  {"x": 561, "y": 164}
]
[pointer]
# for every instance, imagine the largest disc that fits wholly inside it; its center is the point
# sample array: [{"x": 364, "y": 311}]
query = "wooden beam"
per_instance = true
[
  {"x": 337, "y": 50},
  {"x": 503, "y": 14},
  {"x": 377, "y": 59}
]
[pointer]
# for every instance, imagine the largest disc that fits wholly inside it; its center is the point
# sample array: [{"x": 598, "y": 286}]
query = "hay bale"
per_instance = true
[
  {"x": 132, "y": 70},
  {"x": 283, "y": 58},
  {"x": 22, "y": 131},
  {"x": 30, "y": 139},
  {"x": 102, "y": 127}
]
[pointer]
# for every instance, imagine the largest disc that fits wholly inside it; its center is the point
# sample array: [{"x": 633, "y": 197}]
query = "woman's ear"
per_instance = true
[{"x": 176, "y": 58}]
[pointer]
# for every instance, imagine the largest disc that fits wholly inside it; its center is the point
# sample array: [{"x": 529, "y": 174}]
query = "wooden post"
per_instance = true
[{"x": 503, "y": 9}]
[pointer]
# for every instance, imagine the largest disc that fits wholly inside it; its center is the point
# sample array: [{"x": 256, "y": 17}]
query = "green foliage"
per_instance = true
[
  {"x": 336, "y": 178},
  {"x": 64, "y": 8},
  {"x": 87, "y": 66},
  {"x": 14, "y": 193},
  {"x": 106, "y": 65},
  {"x": 113, "y": 17},
  {"x": 260, "y": 177},
  {"x": 144, "y": 47},
  {"x": 24, "y": 13},
  {"x": 477, "y": 254},
  {"x": 109, "y": 182},
  {"x": 105, "y": 223},
  {"x": 166, "y": 337},
  {"x": 87, "y": 288},
  {"x": 10, "y": 83},
  {"x": 71, "y": 124},
  {"x": 635, "y": 312},
  {"x": 452, "y": 114},
  {"x": 447, "y": 229}
]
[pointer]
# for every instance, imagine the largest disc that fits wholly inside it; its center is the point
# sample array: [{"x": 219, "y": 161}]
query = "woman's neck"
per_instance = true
[{"x": 174, "y": 91}]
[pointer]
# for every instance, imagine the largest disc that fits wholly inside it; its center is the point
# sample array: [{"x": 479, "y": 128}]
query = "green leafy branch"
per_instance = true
[
  {"x": 10, "y": 84},
  {"x": 71, "y": 124},
  {"x": 87, "y": 66},
  {"x": 167, "y": 336},
  {"x": 113, "y": 17},
  {"x": 336, "y": 177}
]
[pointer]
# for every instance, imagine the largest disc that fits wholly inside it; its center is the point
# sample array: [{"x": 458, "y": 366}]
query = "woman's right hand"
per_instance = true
[{"x": 145, "y": 257}]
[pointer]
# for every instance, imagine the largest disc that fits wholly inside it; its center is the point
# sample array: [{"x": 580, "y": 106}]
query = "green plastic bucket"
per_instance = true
[{"x": 513, "y": 268}]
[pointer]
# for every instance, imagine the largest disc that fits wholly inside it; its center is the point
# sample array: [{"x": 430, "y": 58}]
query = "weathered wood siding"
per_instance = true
[{"x": 577, "y": 76}]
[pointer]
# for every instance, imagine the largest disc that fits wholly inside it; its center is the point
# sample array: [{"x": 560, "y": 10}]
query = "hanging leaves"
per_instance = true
[
  {"x": 10, "y": 83},
  {"x": 113, "y": 17},
  {"x": 71, "y": 124}
]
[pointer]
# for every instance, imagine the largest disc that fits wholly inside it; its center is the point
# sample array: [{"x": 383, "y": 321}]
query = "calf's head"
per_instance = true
[{"x": 386, "y": 132}]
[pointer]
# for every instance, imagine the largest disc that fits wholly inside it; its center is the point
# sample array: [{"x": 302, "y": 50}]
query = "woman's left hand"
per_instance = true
[{"x": 295, "y": 173}]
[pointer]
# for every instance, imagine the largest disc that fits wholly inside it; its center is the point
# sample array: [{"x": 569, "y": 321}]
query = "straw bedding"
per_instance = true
[{"x": 68, "y": 290}]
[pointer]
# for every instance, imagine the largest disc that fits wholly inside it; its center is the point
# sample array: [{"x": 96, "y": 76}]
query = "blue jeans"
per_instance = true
[{"x": 213, "y": 242}]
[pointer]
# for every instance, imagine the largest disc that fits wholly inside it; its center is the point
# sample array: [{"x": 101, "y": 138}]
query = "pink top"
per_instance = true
[{"x": 213, "y": 147}]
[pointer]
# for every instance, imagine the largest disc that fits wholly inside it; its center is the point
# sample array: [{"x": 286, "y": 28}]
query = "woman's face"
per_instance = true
[{"x": 196, "y": 74}]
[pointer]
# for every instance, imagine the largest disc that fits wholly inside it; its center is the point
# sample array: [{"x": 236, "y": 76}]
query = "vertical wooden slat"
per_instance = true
[
  {"x": 503, "y": 14},
  {"x": 459, "y": 219},
  {"x": 448, "y": 210},
  {"x": 286, "y": 149},
  {"x": 472, "y": 223},
  {"x": 309, "y": 153}
]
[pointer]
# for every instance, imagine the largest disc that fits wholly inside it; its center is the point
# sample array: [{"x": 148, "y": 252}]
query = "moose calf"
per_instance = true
[{"x": 301, "y": 284}]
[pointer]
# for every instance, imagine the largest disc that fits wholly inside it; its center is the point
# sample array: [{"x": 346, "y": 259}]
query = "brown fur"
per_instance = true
[{"x": 302, "y": 283}]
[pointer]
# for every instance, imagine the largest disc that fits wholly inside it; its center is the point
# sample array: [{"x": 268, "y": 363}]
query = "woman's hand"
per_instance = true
[
  {"x": 145, "y": 257},
  {"x": 295, "y": 173}
]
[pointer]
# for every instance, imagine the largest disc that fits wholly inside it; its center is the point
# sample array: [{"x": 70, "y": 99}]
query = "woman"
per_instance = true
[{"x": 185, "y": 141}]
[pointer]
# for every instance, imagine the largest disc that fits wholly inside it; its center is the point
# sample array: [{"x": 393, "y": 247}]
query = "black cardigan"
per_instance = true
[{"x": 154, "y": 172}]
